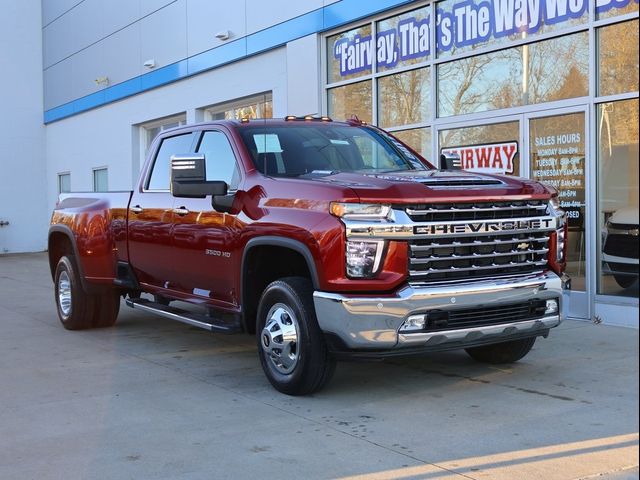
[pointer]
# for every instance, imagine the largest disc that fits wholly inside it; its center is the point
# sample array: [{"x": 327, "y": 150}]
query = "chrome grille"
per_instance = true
[
  {"x": 460, "y": 258},
  {"x": 476, "y": 211}
]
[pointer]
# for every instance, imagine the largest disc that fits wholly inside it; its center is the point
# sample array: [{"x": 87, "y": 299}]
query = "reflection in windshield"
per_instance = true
[{"x": 295, "y": 150}]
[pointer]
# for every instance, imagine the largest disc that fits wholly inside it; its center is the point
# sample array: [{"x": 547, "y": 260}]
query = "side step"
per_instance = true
[{"x": 201, "y": 321}]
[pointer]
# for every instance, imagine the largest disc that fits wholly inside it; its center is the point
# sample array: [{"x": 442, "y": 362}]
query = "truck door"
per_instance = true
[
  {"x": 151, "y": 216},
  {"x": 204, "y": 240}
]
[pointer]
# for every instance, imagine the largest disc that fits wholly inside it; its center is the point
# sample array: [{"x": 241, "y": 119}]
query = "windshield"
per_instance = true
[{"x": 289, "y": 150}]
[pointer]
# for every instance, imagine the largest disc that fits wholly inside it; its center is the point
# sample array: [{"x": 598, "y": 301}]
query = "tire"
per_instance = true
[
  {"x": 107, "y": 307},
  {"x": 292, "y": 350},
  {"x": 625, "y": 281},
  {"x": 77, "y": 309},
  {"x": 505, "y": 352}
]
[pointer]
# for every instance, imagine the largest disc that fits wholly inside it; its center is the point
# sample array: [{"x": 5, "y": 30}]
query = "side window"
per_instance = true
[
  {"x": 221, "y": 161},
  {"x": 179, "y": 144}
]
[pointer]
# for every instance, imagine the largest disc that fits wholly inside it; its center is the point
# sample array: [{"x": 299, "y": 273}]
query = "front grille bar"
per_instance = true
[
  {"x": 475, "y": 243},
  {"x": 476, "y": 256},
  {"x": 494, "y": 266}
]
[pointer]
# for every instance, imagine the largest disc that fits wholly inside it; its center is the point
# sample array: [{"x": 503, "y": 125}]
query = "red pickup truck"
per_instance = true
[{"x": 324, "y": 239}]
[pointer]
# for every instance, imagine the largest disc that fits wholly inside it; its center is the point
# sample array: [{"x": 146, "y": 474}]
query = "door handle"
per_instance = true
[
  {"x": 181, "y": 211},
  {"x": 137, "y": 209}
]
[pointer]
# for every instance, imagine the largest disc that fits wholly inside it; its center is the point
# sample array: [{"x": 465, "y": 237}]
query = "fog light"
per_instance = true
[
  {"x": 414, "y": 323},
  {"x": 552, "y": 307},
  {"x": 363, "y": 258}
]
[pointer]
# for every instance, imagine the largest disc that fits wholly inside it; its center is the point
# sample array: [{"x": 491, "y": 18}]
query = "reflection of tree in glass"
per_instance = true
[
  {"x": 618, "y": 58},
  {"x": 417, "y": 138},
  {"x": 558, "y": 69},
  {"x": 353, "y": 99},
  {"x": 404, "y": 98},
  {"x": 502, "y": 80}
]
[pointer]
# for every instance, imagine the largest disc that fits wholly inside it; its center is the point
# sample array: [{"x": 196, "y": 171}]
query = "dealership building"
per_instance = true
[{"x": 545, "y": 89}]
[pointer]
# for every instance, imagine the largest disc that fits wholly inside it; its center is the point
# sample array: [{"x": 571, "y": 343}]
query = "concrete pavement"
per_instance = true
[{"x": 155, "y": 399}]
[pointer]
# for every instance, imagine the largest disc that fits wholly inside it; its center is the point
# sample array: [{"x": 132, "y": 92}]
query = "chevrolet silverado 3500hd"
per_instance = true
[{"x": 324, "y": 239}]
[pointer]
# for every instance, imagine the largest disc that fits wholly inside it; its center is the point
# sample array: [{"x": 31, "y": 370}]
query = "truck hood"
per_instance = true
[{"x": 434, "y": 185}]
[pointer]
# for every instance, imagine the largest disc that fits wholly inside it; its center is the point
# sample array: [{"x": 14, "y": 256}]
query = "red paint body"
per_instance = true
[{"x": 166, "y": 250}]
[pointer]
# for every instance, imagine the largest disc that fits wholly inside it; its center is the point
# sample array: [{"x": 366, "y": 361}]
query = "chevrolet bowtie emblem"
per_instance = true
[{"x": 523, "y": 246}]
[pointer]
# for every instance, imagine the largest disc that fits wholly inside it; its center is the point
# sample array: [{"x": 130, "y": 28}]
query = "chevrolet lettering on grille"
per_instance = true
[{"x": 485, "y": 226}]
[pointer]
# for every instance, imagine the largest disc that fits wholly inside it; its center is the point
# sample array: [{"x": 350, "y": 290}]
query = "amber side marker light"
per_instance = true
[{"x": 314, "y": 118}]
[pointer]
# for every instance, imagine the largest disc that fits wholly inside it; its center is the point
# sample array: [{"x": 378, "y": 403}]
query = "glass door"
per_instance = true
[
  {"x": 557, "y": 146},
  {"x": 617, "y": 251}
]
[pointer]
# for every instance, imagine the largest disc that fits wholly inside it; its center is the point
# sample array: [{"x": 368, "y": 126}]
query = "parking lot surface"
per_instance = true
[{"x": 151, "y": 398}]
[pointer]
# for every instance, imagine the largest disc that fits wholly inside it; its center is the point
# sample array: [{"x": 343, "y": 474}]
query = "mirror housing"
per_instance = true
[
  {"x": 450, "y": 161},
  {"x": 189, "y": 177}
]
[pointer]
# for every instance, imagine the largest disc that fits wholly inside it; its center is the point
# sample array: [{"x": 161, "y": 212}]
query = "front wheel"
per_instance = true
[
  {"x": 505, "y": 352},
  {"x": 292, "y": 350}
]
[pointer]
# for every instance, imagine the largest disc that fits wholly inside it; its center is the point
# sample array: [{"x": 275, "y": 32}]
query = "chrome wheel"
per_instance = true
[
  {"x": 279, "y": 338},
  {"x": 64, "y": 293}
]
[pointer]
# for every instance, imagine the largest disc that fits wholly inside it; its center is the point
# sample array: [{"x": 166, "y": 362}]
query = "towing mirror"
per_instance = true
[
  {"x": 450, "y": 161},
  {"x": 189, "y": 177}
]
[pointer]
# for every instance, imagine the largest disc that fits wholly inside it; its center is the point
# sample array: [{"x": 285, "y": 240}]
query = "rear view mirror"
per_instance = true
[
  {"x": 189, "y": 177},
  {"x": 450, "y": 161}
]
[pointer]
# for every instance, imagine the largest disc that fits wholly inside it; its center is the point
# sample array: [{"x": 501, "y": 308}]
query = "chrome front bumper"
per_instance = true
[{"x": 372, "y": 322}]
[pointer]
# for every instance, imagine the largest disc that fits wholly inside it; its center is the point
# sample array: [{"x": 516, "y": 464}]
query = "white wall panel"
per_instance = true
[
  {"x": 261, "y": 14},
  {"x": 58, "y": 88},
  {"x": 87, "y": 66},
  {"x": 117, "y": 14},
  {"x": 23, "y": 167},
  {"x": 52, "y": 9},
  {"x": 121, "y": 54},
  {"x": 206, "y": 18},
  {"x": 303, "y": 76},
  {"x": 163, "y": 35},
  {"x": 150, "y": 6}
]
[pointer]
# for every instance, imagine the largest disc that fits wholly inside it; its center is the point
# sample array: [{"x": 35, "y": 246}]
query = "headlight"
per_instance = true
[
  {"x": 557, "y": 261},
  {"x": 363, "y": 258},
  {"x": 560, "y": 247},
  {"x": 361, "y": 211}
]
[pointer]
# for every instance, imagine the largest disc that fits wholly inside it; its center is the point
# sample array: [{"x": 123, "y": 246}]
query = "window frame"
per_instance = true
[
  {"x": 258, "y": 98},
  {"x": 234, "y": 150},
  {"x": 59, "y": 177},
  {"x": 160, "y": 139},
  {"x": 93, "y": 173}
]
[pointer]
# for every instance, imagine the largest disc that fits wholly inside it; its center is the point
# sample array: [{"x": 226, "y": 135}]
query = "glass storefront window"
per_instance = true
[
  {"x": 403, "y": 40},
  {"x": 487, "y": 148},
  {"x": 417, "y": 138},
  {"x": 350, "y": 54},
  {"x": 618, "y": 58},
  {"x": 617, "y": 124},
  {"x": 464, "y": 26},
  {"x": 404, "y": 98},
  {"x": 349, "y": 100},
  {"x": 518, "y": 76},
  {"x": 558, "y": 152},
  {"x": 612, "y": 8}
]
